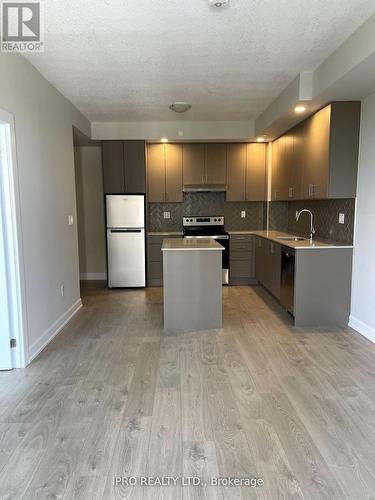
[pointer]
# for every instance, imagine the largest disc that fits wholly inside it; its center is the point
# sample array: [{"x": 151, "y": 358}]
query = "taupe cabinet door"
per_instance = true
[
  {"x": 315, "y": 172},
  {"x": 134, "y": 167},
  {"x": 260, "y": 263},
  {"x": 156, "y": 172},
  {"x": 164, "y": 169},
  {"x": 113, "y": 167},
  {"x": 193, "y": 163},
  {"x": 268, "y": 265},
  {"x": 236, "y": 172},
  {"x": 173, "y": 173},
  {"x": 216, "y": 163},
  {"x": 256, "y": 172},
  {"x": 297, "y": 164},
  {"x": 124, "y": 168}
]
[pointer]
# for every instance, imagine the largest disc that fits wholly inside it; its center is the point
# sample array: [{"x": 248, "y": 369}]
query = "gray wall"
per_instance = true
[
  {"x": 44, "y": 142},
  {"x": 363, "y": 291},
  {"x": 326, "y": 214},
  {"x": 90, "y": 212},
  {"x": 206, "y": 204}
]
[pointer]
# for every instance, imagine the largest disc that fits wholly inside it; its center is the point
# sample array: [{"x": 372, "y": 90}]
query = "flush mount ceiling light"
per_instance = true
[
  {"x": 300, "y": 109},
  {"x": 180, "y": 106},
  {"x": 164, "y": 140},
  {"x": 218, "y": 3},
  {"x": 261, "y": 139}
]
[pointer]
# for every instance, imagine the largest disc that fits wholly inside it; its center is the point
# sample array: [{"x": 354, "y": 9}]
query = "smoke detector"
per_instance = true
[
  {"x": 218, "y": 3},
  {"x": 180, "y": 107}
]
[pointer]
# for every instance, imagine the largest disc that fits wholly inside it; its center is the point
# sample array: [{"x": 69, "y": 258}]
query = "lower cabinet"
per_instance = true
[
  {"x": 268, "y": 265},
  {"x": 155, "y": 258},
  {"x": 322, "y": 281},
  {"x": 241, "y": 265}
]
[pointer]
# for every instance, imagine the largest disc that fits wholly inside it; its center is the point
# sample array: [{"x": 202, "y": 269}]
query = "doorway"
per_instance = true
[{"x": 12, "y": 345}]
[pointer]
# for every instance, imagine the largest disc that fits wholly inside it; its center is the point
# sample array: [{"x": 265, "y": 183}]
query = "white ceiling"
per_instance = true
[{"x": 127, "y": 60}]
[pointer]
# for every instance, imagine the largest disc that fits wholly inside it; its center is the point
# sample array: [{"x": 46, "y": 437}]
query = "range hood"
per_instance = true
[{"x": 204, "y": 188}]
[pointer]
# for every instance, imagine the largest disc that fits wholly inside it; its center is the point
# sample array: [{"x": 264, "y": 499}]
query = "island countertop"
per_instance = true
[{"x": 190, "y": 244}]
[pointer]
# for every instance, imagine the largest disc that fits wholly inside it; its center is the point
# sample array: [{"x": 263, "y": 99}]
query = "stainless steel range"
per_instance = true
[{"x": 213, "y": 228}]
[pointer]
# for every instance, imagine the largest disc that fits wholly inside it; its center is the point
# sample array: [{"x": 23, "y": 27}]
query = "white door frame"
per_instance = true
[{"x": 13, "y": 243}]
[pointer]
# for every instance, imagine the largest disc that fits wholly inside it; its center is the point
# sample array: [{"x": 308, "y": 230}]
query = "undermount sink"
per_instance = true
[{"x": 291, "y": 238}]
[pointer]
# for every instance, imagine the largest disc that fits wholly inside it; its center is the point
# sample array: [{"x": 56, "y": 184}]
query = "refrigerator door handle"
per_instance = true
[{"x": 126, "y": 230}]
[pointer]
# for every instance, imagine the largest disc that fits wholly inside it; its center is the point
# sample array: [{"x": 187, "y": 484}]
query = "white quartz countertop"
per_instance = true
[
  {"x": 190, "y": 244},
  {"x": 299, "y": 244}
]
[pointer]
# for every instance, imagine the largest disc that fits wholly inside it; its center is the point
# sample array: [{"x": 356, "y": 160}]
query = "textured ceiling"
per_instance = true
[{"x": 127, "y": 60}]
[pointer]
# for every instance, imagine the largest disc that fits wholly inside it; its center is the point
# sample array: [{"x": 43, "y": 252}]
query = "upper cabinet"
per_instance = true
[
  {"x": 193, "y": 163},
  {"x": 319, "y": 157},
  {"x": 246, "y": 172},
  {"x": 236, "y": 172},
  {"x": 256, "y": 187},
  {"x": 124, "y": 167},
  {"x": 164, "y": 172},
  {"x": 215, "y": 163},
  {"x": 204, "y": 163},
  {"x": 113, "y": 167}
]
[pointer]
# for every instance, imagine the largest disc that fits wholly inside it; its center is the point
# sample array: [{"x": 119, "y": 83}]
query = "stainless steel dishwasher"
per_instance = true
[{"x": 287, "y": 279}]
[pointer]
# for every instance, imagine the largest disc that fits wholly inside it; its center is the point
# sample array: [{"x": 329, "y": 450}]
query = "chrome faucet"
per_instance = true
[{"x": 312, "y": 230}]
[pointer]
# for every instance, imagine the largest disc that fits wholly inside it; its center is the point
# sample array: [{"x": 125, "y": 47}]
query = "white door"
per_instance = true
[
  {"x": 5, "y": 354},
  {"x": 126, "y": 258},
  {"x": 125, "y": 211}
]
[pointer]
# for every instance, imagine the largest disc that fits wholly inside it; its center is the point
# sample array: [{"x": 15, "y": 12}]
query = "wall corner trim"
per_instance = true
[
  {"x": 37, "y": 347},
  {"x": 362, "y": 328}
]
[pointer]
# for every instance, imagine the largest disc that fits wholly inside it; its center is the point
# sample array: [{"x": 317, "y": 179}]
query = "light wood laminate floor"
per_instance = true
[{"x": 113, "y": 395}]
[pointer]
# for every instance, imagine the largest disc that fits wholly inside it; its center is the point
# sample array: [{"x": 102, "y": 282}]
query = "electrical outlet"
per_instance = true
[
  {"x": 341, "y": 218},
  {"x": 167, "y": 215},
  {"x": 62, "y": 290},
  {"x": 70, "y": 220},
  {"x": 243, "y": 214}
]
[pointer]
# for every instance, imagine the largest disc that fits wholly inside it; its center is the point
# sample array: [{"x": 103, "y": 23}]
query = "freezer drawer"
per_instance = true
[
  {"x": 125, "y": 211},
  {"x": 126, "y": 258}
]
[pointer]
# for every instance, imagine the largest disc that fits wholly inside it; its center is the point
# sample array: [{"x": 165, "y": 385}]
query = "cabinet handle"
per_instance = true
[{"x": 291, "y": 192}]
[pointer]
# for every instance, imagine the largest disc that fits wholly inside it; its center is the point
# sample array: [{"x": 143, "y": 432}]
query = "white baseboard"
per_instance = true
[
  {"x": 36, "y": 347},
  {"x": 362, "y": 328},
  {"x": 93, "y": 276}
]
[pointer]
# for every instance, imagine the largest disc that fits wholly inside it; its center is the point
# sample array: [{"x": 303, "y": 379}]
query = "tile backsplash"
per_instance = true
[
  {"x": 207, "y": 204},
  {"x": 282, "y": 217}
]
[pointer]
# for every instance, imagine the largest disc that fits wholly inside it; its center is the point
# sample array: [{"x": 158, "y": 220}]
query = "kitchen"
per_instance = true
[
  {"x": 187, "y": 272},
  {"x": 244, "y": 196}
]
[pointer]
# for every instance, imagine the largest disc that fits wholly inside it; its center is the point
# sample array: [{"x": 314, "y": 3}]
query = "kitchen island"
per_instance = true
[{"x": 192, "y": 277}]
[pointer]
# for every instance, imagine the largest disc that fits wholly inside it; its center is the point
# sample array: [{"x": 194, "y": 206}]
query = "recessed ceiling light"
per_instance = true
[
  {"x": 260, "y": 139},
  {"x": 300, "y": 109},
  {"x": 180, "y": 106},
  {"x": 218, "y": 3},
  {"x": 164, "y": 140}
]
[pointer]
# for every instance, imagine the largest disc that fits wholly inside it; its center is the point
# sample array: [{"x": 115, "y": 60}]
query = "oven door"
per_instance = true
[{"x": 223, "y": 240}]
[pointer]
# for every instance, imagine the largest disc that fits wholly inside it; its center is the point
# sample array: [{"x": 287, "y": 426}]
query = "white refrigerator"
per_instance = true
[{"x": 125, "y": 221}]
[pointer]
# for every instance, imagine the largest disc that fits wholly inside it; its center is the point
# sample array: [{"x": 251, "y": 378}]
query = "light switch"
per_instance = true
[
  {"x": 243, "y": 214},
  {"x": 167, "y": 215},
  {"x": 341, "y": 218},
  {"x": 70, "y": 220}
]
